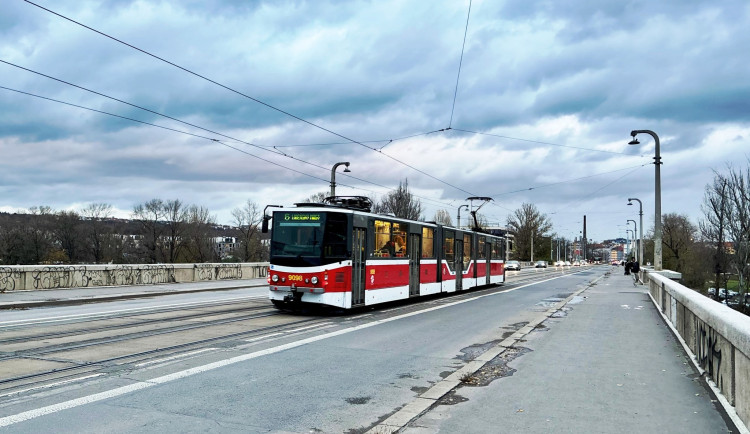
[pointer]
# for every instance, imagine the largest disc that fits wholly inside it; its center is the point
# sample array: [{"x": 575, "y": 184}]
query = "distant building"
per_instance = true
[{"x": 224, "y": 246}]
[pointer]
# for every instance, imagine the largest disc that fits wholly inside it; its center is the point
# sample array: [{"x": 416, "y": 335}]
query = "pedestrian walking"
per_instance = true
[
  {"x": 635, "y": 268},
  {"x": 628, "y": 266}
]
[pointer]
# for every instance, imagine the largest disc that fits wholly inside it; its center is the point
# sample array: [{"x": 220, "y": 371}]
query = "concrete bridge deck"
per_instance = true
[{"x": 607, "y": 362}]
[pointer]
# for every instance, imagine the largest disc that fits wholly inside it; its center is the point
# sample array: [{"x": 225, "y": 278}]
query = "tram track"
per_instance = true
[
  {"x": 108, "y": 345},
  {"x": 69, "y": 366},
  {"x": 138, "y": 323},
  {"x": 7, "y": 385}
]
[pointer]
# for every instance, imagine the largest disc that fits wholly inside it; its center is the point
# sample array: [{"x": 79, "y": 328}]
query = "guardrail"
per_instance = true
[
  {"x": 38, "y": 277},
  {"x": 717, "y": 335}
]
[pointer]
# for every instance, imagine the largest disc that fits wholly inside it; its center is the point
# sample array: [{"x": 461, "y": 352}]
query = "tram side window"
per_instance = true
[
  {"x": 480, "y": 253},
  {"x": 496, "y": 253},
  {"x": 384, "y": 247},
  {"x": 467, "y": 250},
  {"x": 428, "y": 243},
  {"x": 399, "y": 239},
  {"x": 335, "y": 242},
  {"x": 448, "y": 253}
]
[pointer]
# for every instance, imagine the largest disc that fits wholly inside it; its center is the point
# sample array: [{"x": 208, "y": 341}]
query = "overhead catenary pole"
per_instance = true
[
  {"x": 640, "y": 239},
  {"x": 657, "y": 196},
  {"x": 333, "y": 175}
]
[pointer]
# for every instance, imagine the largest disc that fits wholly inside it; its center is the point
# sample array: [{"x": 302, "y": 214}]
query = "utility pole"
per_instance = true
[{"x": 532, "y": 246}]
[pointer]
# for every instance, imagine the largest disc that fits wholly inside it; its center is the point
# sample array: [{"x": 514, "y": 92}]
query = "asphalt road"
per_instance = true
[{"x": 345, "y": 373}]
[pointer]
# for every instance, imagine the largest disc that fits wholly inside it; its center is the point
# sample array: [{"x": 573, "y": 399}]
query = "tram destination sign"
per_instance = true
[{"x": 302, "y": 217}]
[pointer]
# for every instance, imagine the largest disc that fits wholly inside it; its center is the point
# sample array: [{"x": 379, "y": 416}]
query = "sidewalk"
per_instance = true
[
  {"x": 72, "y": 296},
  {"x": 604, "y": 363}
]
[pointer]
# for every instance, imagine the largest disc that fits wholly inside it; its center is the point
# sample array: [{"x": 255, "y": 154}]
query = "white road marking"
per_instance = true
[
  {"x": 50, "y": 409},
  {"x": 178, "y": 356},
  {"x": 47, "y": 386},
  {"x": 54, "y": 319}
]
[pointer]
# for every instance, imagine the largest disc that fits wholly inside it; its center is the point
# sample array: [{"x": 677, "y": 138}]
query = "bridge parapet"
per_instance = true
[
  {"x": 39, "y": 277},
  {"x": 717, "y": 335}
]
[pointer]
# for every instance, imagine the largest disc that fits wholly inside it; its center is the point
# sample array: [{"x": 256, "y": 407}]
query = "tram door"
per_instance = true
[
  {"x": 458, "y": 262},
  {"x": 358, "y": 266},
  {"x": 487, "y": 253},
  {"x": 415, "y": 253}
]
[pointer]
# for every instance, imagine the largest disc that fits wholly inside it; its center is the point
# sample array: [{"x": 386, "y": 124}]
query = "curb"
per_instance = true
[{"x": 428, "y": 399}]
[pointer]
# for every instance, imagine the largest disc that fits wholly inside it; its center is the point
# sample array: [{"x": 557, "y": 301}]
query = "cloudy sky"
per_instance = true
[{"x": 547, "y": 95}]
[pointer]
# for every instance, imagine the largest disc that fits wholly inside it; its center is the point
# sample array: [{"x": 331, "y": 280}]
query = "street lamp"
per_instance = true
[
  {"x": 629, "y": 231},
  {"x": 637, "y": 258},
  {"x": 657, "y": 193},
  {"x": 333, "y": 175},
  {"x": 458, "y": 217},
  {"x": 640, "y": 241}
]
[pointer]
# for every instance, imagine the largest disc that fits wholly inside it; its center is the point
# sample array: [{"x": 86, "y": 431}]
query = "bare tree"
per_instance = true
[
  {"x": 716, "y": 210},
  {"x": 526, "y": 223},
  {"x": 739, "y": 227},
  {"x": 401, "y": 203},
  {"x": 39, "y": 233},
  {"x": 248, "y": 219},
  {"x": 149, "y": 216},
  {"x": 95, "y": 229},
  {"x": 175, "y": 220},
  {"x": 200, "y": 243},
  {"x": 678, "y": 236},
  {"x": 443, "y": 217},
  {"x": 68, "y": 234},
  {"x": 317, "y": 197}
]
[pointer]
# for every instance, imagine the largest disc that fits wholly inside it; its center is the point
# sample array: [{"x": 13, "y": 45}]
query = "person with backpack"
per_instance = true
[{"x": 635, "y": 268}]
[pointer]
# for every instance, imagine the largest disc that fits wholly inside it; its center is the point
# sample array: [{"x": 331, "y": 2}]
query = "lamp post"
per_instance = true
[
  {"x": 640, "y": 240},
  {"x": 657, "y": 194},
  {"x": 333, "y": 175},
  {"x": 637, "y": 258},
  {"x": 458, "y": 217},
  {"x": 628, "y": 232}
]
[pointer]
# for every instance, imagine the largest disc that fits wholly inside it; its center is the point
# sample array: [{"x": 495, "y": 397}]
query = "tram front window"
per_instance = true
[{"x": 303, "y": 239}]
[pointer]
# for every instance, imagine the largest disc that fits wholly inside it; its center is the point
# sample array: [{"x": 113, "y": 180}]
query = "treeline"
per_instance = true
[
  {"x": 716, "y": 251},
  {"x": 160, "y": 231},
  {"x": 726, "y": 224}
]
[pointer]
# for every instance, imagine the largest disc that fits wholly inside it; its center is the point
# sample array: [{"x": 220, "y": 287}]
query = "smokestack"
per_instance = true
[{"x": 585, "y": 240}]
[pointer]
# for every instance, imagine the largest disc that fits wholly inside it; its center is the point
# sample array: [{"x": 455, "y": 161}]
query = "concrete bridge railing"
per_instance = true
[
  {"x": 717, "y": 335},
  {"x": 39, "y": 277}
]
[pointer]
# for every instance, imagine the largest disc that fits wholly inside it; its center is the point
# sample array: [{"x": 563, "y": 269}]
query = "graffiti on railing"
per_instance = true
[
  {"x": 205, "y": 272},
  {"x": 53, "y": 277},
  {"x": 8, "y": 277},
  {"x": 228, "y": 271},
  {"x": 708, "y": 352},
  {"x": 159, "y": 273},
  {"x": 218, "y": 271}
]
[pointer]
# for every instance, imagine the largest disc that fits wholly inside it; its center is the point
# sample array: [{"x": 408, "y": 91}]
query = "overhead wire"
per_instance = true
[
  {"x": 244, "y": 95},
  {"x": 460, "y": 62},
  {"x": 567, "y": 180},
  {"x": 539, "y": 142},
  {"x": 162, "y": 127},
  {"x": 219, "y": 142},
  {"x": 299, "y": 118}
]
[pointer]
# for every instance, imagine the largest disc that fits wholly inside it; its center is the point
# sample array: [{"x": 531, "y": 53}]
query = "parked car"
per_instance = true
[
  {"x": 540, "y": 264},
  {"x": 711, "y": 291},
  {"x": 513, "y": 265}
]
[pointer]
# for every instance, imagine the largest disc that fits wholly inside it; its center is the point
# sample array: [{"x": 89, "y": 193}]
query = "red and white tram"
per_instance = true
[{"x": 340, "y": 254}]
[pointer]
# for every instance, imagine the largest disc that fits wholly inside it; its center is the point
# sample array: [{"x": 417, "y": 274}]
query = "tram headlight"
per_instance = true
[
  {"x": 275, "y": 277},
  {"x": 314, "y": 280}
]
